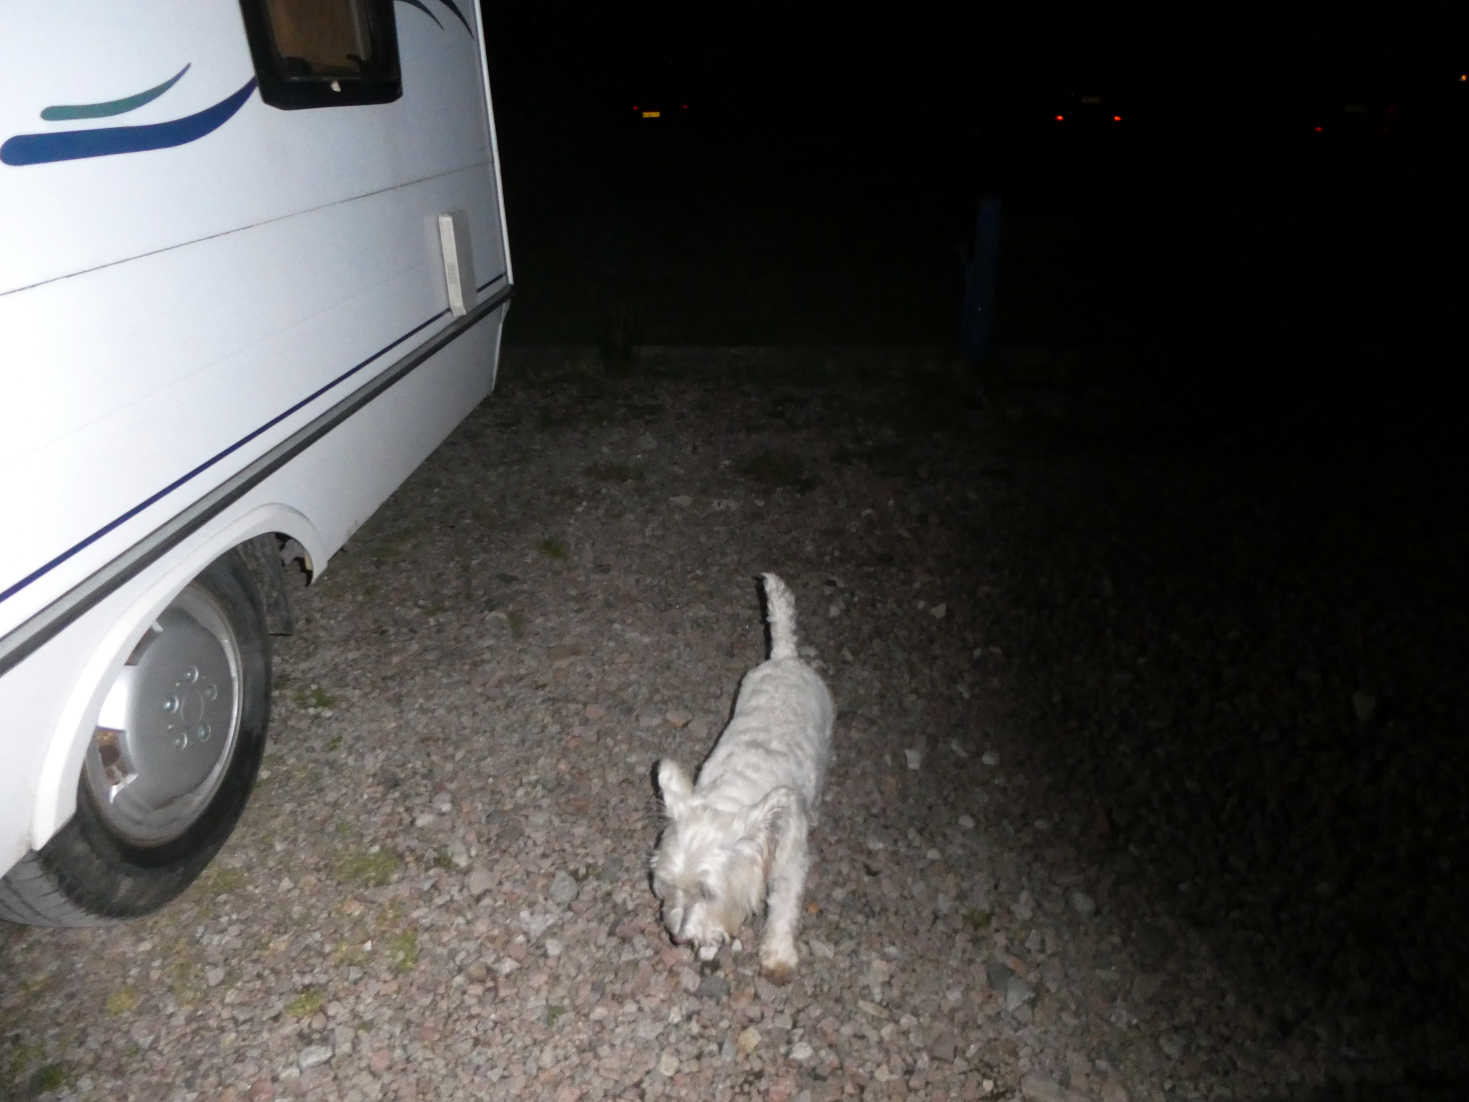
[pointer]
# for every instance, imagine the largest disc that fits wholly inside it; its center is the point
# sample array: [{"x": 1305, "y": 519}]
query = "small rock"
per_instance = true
[
  {"x": 1037, "y": 1088},
  {"x": 939, "y": 611},
  {"x": 713, "y": 987},
  {"x": 801, "y": 1052},
  {"x": 480, "y": 881},
  {"x": 668, "y": 1065},
  {"x": 458, "y": 854},
  {"x": 998, "y": 973},
  {"x": 1017, "y": 993},
  {"x": 748, "y": 1038},
  {"x": 835, "y": 609},
  {"x": 213, "y": 976},
  {"x": 554, "y": 947},
  {"x": 688, "y": 979},
  {"x": 914, "y": 756},
  {"x": 313, "y": 1056},
  {"x": 683, "y": 501},
  {"x": 380, "y": 1061},
  {"x": 966, "y": 822},
  {"x": 1082, "y": 903},
  {"x": 989, "y": 757},
  {"x": 943, "y": 1046},
  {"x": 678, "y": 719},
  {"x": 648, "y": 720},
  {"x": 594, "y": 711},
  {"x": 564, "y": 887},
  {"x": 425, "y": 819}
]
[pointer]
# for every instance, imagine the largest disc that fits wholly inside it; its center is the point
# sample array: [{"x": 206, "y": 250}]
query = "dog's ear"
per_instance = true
[{"x": 674, "y": 787}]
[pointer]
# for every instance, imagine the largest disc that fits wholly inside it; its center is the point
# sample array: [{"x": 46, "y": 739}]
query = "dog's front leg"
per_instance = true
[{"x": 787, "y": 881}]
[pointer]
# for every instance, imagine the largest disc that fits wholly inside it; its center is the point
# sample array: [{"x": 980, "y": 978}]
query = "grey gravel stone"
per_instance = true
[
  {"x": 1037, "y": 1088},
  {"x": 564, "y": 887},
  {"x": 480, "y": 880},
  {"x": 442, "y": 890},
  {"x": 313, "y": 1056}
]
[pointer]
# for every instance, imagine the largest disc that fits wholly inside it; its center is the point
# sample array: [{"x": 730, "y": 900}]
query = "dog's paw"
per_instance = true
[
  {"x": 778, "y": 972},
  {"x": 777, "y": 967}
]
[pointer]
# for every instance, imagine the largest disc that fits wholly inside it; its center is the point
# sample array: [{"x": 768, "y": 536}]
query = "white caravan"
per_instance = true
[{"x": 253, "y": 269}]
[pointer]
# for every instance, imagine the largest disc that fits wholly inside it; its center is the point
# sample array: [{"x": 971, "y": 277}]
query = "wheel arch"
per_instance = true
[{"x": 67, "y": 741}]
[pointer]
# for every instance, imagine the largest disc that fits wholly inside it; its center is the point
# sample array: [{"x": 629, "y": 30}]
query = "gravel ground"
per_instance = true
[{"x": 1139, "y": 791}]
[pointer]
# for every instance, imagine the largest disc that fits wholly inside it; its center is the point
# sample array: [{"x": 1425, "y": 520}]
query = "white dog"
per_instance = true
[{"x": 739, "y": 836}]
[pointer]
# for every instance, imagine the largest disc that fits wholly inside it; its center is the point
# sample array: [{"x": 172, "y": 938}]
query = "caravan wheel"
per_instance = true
[{"x": 177, "y": 745}]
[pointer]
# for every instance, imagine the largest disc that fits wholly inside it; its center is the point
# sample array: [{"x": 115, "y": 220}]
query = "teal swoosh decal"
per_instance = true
[
  {"x": 112, "y": 107},
  {"x": 70, "y": 145}
]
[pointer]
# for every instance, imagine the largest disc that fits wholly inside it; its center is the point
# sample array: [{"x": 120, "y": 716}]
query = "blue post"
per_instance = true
[{"x": 979, "y": 284}]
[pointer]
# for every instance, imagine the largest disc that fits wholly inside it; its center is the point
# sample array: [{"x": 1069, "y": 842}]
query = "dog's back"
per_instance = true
[{"x": 780, "y": 732}]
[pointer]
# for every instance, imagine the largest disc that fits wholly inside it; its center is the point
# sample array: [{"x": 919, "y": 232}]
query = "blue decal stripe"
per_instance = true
[
  {"x": 450, "y": 5},
  {"x": 31, "y": 149},
  {"x": 421, "y": 7},
  {"x": 158, "y": 495},
  {"x": 112, "y": 107}
]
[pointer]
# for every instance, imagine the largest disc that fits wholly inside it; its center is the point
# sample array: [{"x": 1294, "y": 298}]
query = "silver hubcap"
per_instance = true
[{"x": 167, "y": 729}]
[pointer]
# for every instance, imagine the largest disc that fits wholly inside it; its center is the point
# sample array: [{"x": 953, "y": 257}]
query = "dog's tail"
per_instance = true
[{"x": 780, "y": 613}]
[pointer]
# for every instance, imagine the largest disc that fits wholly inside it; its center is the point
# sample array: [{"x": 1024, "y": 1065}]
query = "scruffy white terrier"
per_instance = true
[{"x": 739, "y": 836}]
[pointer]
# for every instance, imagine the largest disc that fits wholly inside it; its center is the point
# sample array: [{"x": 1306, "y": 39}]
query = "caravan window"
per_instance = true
[{"x": 323, "y": 53}]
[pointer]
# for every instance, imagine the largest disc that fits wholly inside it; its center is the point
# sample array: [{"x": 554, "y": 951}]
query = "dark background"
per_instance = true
[
  {"x": 825, "y": 188},
  {"x": 1257, "y": 274}
]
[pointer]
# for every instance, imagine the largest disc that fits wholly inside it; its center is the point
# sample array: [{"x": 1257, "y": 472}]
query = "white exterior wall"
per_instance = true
[{"x": 169, "y": 316}]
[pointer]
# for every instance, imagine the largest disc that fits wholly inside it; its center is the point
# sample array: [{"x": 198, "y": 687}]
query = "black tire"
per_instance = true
[{"x": 106, "y": 864}]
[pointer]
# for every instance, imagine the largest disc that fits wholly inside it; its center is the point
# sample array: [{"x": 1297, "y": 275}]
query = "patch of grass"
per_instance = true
[
  {"x": 185, "y": 980},
  {"x": 403, "y": 950},
  {"x": 350, "y": 952},
  {"x": 314, "y": 696},
  {"x": 977, "y": 920},
  {"x": 552, "y": 548},
  {"x": 52, "y": 1077},
  {"x": 219, "y": 880},
  {"x": 776, "y": 470},
  {"x": 367, "y": 869},
  {"x": 334, "y": 743},
  {"x": 553, "y": 1013},
  {"x": 614, "y": 472},
  {"x": 442, "y": 860},
  {"x": 22, "y": 1057},
  {"x": 120, "y": 1001},
  {"x": 307, "y": 1003}
]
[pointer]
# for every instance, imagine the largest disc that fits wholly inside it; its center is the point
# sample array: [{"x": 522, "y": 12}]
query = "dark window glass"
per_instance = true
[{"x": 323, "y": 53}]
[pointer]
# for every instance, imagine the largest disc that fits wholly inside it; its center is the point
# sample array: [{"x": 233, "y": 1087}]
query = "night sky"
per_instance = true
[{"x": 1217, "y": 209}]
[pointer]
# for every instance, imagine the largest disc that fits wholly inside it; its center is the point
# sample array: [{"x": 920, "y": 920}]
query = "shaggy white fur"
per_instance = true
[{"x": 738, "y": 837}]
